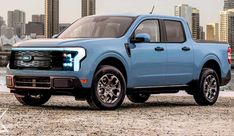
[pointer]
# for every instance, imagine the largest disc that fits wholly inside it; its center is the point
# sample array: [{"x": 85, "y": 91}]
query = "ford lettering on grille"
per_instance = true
[{"x": 27, "y": 58}]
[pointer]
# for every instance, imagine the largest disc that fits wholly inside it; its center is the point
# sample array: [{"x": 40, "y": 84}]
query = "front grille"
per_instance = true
[
  {"x": 33, "y": 82},
  {"x": 42, "y": 60}
]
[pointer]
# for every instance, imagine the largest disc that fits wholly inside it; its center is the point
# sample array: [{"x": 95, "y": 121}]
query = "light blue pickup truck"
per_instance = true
[{"x": 103, "y": 58}]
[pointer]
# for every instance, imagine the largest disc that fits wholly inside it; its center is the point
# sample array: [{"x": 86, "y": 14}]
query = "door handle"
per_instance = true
[
  {"x": 159, "y": 49},
  {"x": 185, "y": 49}
]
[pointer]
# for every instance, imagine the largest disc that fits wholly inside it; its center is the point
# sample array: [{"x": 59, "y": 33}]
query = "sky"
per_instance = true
[{"x": 70, "y": 10}]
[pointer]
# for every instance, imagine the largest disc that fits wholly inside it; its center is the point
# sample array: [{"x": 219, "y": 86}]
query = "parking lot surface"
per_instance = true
[{"x": 161, "y": 115}]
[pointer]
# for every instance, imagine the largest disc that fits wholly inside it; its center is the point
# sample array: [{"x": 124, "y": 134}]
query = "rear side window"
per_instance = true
[{"x": 174, "y": 31}]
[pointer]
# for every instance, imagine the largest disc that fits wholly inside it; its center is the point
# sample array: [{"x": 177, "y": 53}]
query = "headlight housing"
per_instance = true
[
  {"x": 73, "y": 58},
  {"x": 68, "y": 61}
]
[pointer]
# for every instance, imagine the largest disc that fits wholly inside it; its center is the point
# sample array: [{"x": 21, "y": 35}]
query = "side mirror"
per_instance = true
[
  {"x": 141, "y": 37},
  {"x": 55, "y": 36}
]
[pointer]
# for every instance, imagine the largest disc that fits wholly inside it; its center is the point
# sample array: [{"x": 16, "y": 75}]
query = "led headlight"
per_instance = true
[{"x": 68, "y": 61}]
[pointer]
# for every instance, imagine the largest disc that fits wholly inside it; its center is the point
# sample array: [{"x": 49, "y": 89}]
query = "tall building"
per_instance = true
[
  {"x": 16, "y": 19},
  {"x": 51, "y": 18},
  {"x": 63, "y": 26},
  {"x": 2, "y": 22},
  {"x": 38, "y": 18},
  {"x": 192, "y": 16},
  {"x": 196, "y": 23},
  {"x": 227, "y": 27},
  {"x": 8, "y": 32},
  {"x": 88, "y": 7},
  {"x": 228, "y": 4},
  {"x": 36, "y": 28},
  {"x": 201, "y": 33},
  {"x": 184, "y": 11},
  {"x": 212, "y": 32}
]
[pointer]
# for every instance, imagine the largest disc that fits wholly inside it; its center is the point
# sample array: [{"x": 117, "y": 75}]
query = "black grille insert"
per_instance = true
[{"x": 42, "y": 60}]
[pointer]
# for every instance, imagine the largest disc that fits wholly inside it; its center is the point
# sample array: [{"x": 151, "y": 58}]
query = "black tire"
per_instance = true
[
  {"x": 138, "y": 97},
  {"x": 33, "y": 100},
  {"x": 207, "y": 90},
  {"x": 108, "y": 89}
]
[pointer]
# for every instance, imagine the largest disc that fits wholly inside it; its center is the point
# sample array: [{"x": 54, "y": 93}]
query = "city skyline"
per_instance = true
[{"x": 110, "y": 6}]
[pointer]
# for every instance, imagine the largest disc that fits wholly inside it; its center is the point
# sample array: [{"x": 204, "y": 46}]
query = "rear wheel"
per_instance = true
[
  {"x": 208, "y": 88},
  {"x": 108, "y": 89},
  {"x": 33, "y": 100},
  {"x": 138, "y": 97}
]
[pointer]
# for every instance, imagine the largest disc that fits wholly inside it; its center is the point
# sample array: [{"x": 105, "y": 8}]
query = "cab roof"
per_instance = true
[{"x": 144, "y": 15}]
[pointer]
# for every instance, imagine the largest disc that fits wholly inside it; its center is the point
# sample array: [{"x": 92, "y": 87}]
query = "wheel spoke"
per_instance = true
[
  {"x": 214, "y": 85},
  {"x": 207, "y": 94},
  {"x": 213, "y": 93},
  {"x": 115, "y": 93},
  {"x": 104, "y": 81},
  {"x": 101, "y": 90},
  {"x": 113, "y": 81}
]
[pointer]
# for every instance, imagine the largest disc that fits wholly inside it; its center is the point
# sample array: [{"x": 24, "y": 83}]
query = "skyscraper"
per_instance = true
[
  {"x": 16, "y": 19},
  {"x": 63, "y": 26},
  {"x": 227, "y": 27},
  {"x": 212, "y": 32},
  {"x": 34, "y": 28},
  {"x": 201, "y": 33},
  {"x": 228, "y": 4},
  {"x": 192, "y": 16},
  {"x": 196, "y": 23},
  {"x": 88, "y": 7},
  {"x": 184, "y": 11},
  {"x": 2, "y": 22},
  {"x": 8, "y": 32},
  {"x": 38, "y": 18},
  {"x": 51, "y": 18}
]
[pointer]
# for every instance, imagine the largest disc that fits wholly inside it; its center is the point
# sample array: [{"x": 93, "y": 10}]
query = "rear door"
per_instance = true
[
  {"x": 149, "y": 58},
  {"x": 179, "y": 54}
]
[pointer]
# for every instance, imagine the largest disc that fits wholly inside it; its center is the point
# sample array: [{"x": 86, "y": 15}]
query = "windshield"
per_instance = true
[{"x": 98, "y": 27}]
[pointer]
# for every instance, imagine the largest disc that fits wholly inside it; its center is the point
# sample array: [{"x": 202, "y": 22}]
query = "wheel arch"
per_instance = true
[
  {"x": 113, "y": 59},
  {"x": 115, "y": 62},
  {"x": 213, "y": 64}
]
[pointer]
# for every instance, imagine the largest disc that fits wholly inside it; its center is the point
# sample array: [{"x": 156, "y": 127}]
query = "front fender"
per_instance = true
[{"x": 106, "y": 55}]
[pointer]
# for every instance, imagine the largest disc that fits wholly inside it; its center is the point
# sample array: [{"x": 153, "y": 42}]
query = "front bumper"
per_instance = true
[
  {"x": 50, "y": 84},
  {"x": 42, "y": 83}
]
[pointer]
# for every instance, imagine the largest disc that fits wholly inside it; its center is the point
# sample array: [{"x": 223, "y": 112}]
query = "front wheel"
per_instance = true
[
  {"x": 108, "y": 89},
  {"x": 33, "y": 100},
  {"x": 138, "y": 97},
  {"x": 208, "y": 88}
]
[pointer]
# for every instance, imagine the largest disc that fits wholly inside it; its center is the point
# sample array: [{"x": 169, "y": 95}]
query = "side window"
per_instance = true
[
  {"x": 150, "y": 27},
  {"x": 174, "y": 31}
]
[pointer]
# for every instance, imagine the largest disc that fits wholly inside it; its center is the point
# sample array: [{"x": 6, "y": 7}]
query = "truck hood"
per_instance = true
[{"x": 43, "y": 43}]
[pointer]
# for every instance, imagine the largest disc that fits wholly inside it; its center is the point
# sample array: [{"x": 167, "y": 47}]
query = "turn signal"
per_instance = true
[
  {"x": 84, "y": 81},
  {"x": 9, "y": 81},
  {"x": 229, "y": 51}
]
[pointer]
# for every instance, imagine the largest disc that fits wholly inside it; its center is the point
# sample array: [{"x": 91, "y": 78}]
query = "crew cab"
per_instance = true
[{"x": 104, "y": 58}]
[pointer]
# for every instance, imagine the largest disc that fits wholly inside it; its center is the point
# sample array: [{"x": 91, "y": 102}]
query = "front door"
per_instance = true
[{"x": 149, "y": 58}]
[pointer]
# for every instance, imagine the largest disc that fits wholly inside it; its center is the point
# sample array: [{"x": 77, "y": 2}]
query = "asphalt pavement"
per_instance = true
[{"x": 160, "y": 115}]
